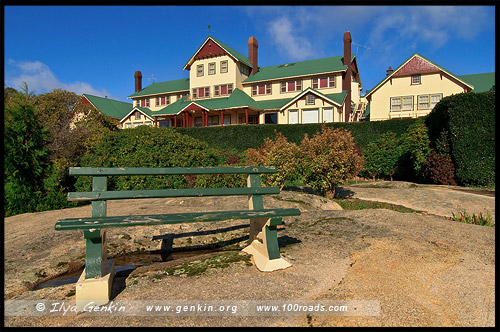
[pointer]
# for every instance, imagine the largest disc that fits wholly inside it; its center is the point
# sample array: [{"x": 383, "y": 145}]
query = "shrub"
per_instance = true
[
  {"x": 280, "y": 153},
  {"x": 439, "y": 169},
  {"x": 329, "y": 158},
  {"x": 381, "y": 156},
  {"x": 466, "y": 123},
  {"x": 25, "y": 156},
  {"x": 415, "y": 145},
  {"x": 146, "y": 146}
]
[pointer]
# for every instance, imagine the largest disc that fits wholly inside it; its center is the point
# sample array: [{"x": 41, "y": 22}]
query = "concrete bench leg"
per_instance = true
[
  {"x": 263, "y": 245},
  {"x": 95, "y": 283}
]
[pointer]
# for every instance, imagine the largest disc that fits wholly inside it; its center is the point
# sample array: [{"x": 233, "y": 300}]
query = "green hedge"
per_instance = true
[
  {"x": 242, "y": 137},
  {"x": 466, "y": 122}
]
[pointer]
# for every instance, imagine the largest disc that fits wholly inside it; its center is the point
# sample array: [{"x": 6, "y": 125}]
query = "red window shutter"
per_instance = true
[
  {"x": 323, "y": 82},
  {"x": 262, "y": 89},
  {"x": 223, "y": 90},
  {"x": 291, "y": 86}
]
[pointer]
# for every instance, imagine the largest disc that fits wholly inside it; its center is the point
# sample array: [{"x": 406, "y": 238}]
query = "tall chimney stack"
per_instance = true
[
  {"x": 346, "y": 82},
  {"x": 253, "y": 45},
  {"x": 138, "y": 81}
]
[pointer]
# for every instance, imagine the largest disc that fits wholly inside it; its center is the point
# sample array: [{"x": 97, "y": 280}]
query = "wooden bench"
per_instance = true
[{"x": 95, "y": 282}]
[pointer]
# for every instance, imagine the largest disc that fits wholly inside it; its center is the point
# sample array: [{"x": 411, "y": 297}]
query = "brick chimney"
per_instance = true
[
  {"x": 389, "y": 71},
  {"x": 253, "y": 45},
  {"x": 346, "y": 82},
  {"x": 138, "y": 81}
]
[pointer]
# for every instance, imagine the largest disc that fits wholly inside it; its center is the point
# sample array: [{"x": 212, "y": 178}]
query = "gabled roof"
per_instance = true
[
  {"x": 237, "y": 99},
  {"x": 301, "y": 68},
  {"x": 334, "y": 98},
  {"x": 233, "y": 53},
  {"x": 181, "y": 85},
  {"x": 113, "y": 108},
  {"x": 481, "y": 82},
  {"x": 395, "y": 72},
  {"x": 146, "y": 111}
]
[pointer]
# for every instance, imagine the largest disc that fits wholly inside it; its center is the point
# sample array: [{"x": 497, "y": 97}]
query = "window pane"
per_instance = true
[
  {"x": 314, "y": 83},
  {"x": 268, "y": 89},
  {"x": 327, "y": 114},
  {"x": 331, "y": 81},
  {"x": 298, "y": 85},
  {"x": 283, "y": 87},
  {"x": 254, "y": 90},
  {"x": 216, "y": 90},
  {"x": 323, "y": 82},
  {"x": 229, "y": 89}
]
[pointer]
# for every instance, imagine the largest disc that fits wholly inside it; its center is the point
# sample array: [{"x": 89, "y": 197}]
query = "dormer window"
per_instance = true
[
  {"x": 323, "y": 82},
  {"x": 223, "y": 90},
  {"x": 199, "y": 70},
  {"x": 291, "y": 86},
  {"x": 201, "y": 92},
  {"x": 262, "y": 89}
]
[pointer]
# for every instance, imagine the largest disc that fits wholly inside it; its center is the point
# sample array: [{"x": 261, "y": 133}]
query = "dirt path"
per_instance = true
[{"x": 422, "y": 270}]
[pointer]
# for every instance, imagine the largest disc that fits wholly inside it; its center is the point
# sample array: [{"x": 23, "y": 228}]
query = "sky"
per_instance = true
[{"x": 97, "y": 49}]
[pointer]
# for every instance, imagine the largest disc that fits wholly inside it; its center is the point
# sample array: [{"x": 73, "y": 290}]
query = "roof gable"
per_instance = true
[
  {"x": 113, "y": 108},
  {"x": 146, "y": 111},
  {"x": 416, "y": 65},
  {"x": 213, "y": 47},
  {"x": 423, "y": 63},
  {"x": 335, "y": 98}
]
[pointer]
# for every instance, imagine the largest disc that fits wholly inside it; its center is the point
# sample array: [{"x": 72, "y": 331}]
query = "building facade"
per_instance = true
[
  {"x": 226, "y": 88},
  {"x": 415, "y": 87}
]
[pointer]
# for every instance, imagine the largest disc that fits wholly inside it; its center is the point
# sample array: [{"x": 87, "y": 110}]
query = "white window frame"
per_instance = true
[
  {"x": 403, "y": 103},
  {"x": 223, "y": 66},
  {"x": 211, "y": 68},
  {"x": 199, "y": 70},
  {"x": 416, "y": 79},
  {"x": 395, "y": 105},
  {"x": 428, "y": 103},
  {"x": 284, "y": 86},
  {"x": 310, "y": 99},
  {"x": 432, "y": 104}
]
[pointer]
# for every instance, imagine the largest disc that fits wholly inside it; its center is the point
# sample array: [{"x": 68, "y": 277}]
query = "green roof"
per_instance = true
[
  {"x": 481, "y": 82},
  {"x": 113, "y": 108},
  {"x": 298, "y": 69},
  {"x": 237, "y": 99},
  {"x": 163, "y": 87},
  {"x": 273, "y": 103}
]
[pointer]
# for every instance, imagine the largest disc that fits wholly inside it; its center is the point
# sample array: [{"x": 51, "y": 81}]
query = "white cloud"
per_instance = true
[
  {"x": 288, "y": 41},
  {"x": 41, "y": 79}
]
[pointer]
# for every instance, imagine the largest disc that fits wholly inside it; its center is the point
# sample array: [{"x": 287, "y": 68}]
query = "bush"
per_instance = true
[
  {"x": 330, "y": 158},
  {"x": 415, "y": 148},
  {"x": 382, "y": 156},
  {"x": 466, "y": 124},
  {"x": 244, "y": 137},
  {"x": 439, "y": 169},
  {"x": 280, "y": 153},
  {"x": 146, "y": 146},
  {"x": 25, "y": 157}
]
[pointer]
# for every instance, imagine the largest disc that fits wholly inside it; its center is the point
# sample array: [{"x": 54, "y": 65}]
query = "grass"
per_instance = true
[
  {"x": 219, "y": 261},
  {"x": 483, "y": 220},
  {"x": 359, "y": 204}
]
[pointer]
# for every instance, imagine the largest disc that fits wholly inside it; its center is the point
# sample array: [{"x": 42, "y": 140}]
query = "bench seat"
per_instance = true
[{"x": 174, "y": 218}]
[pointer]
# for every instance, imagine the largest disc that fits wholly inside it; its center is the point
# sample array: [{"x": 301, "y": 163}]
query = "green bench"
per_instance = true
[{"x": 98, "y": 273}]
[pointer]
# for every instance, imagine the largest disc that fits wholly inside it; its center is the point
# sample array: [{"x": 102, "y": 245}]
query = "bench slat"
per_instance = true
[
  {"x": 192, "y": 192},
  {"x": 175, "y": 218},
  {"x": 104, "y": 171}
]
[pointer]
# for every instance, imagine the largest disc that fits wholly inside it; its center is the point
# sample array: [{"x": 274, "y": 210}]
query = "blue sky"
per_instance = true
[{"x": 97, "y": 49}]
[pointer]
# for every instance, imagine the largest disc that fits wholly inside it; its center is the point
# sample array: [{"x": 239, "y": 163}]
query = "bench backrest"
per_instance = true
[{"x": 100, "y": 193}]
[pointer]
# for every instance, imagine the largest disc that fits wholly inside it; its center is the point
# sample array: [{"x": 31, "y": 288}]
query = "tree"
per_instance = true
[
  {"x": 25, "y": 156},
  {"x": 329, "y": 158},
  {"x": 382, "y": 156},
  {"x": 416, "y": 146}
]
